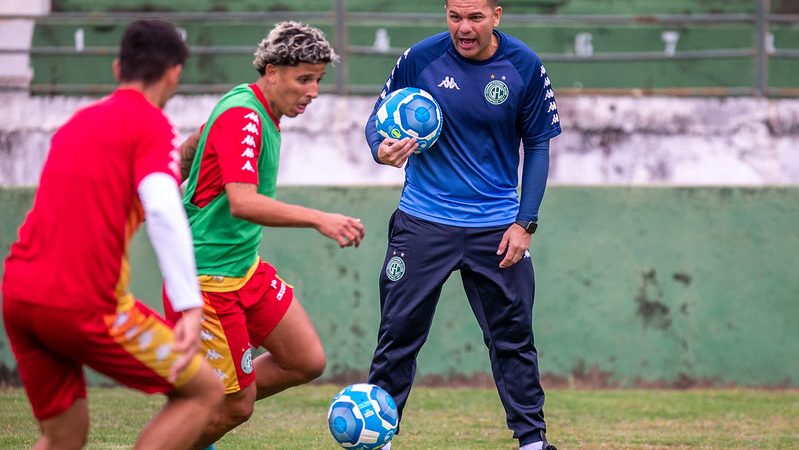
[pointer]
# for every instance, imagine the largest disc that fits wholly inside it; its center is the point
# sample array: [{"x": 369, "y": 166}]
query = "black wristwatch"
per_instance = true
[{"x": 528, "y": 225}]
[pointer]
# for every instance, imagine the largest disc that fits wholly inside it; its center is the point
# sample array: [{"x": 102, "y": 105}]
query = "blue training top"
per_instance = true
[{"x": 469, "y": 177}]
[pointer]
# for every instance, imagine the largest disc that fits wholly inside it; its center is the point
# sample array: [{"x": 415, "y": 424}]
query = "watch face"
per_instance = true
[{"x": 529, "y": 227}]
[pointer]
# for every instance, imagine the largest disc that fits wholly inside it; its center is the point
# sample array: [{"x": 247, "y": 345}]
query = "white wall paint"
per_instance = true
[{"x": 606, "y": 140}]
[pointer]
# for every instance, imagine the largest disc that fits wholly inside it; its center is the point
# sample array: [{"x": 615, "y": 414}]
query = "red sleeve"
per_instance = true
[
  {"x": 236, "y": 139},
  {"x": 156, "y": 148}
]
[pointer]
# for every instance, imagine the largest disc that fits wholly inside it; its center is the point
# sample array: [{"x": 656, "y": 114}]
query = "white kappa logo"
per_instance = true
[
  {"x": 449, "y": 83},
  {"x": 253, "y": 117},
  {"x": 251, "y": 128}
]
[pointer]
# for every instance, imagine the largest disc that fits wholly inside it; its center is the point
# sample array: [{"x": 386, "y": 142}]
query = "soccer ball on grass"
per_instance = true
[
  {"x": 362, "y": 417},
  {"x": 410, "y": 112}
]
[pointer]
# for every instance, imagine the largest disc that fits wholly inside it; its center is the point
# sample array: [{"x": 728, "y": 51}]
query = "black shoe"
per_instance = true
[{"x": 547, "y": 445}]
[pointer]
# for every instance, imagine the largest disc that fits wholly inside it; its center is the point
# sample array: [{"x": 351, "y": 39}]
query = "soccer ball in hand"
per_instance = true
[
  {"x": 410, "y": 112},
  {"x": 362, "y": 417}
]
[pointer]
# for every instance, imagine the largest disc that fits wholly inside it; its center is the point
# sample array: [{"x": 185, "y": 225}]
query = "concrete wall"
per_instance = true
[
  {"x": 17, "y": 34},
  {"x": 635, "y": 286},
  {"x": 606, "y": 140}
]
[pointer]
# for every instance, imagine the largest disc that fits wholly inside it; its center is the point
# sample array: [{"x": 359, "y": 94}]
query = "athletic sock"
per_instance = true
[{"x": 533, "y": 446}]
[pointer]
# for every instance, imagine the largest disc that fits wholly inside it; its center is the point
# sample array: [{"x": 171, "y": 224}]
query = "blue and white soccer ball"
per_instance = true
[
  {"x": 362, "y": 417},
  {"x": 410, "y": 112}
]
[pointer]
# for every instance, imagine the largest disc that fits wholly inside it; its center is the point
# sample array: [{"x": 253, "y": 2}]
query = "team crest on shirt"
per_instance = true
[
  {"x": 246, "y": 361},
  {"x": 395, "y": 268},
  {"x": 496, "y": 91}
]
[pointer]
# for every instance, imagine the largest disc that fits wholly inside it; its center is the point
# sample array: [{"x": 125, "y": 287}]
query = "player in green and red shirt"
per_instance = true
[
  {"x": 66, "y": 302},
  {"x": 229, "y": 198}
]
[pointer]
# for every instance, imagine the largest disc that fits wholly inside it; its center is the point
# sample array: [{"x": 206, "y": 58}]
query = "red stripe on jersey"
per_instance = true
[
  {"x": 230, "y": 155},
  {"x": 262, "y": 99}
]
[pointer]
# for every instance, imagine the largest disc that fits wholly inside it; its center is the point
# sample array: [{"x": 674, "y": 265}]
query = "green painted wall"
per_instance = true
[
  {"x": 635, "y": 285},
  {"x": 372, "y": 70}
]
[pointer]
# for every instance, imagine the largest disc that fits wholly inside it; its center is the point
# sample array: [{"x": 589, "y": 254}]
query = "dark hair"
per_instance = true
[
  {"x": 492, "y": 3},
  {"x": 148, "y": 49}
]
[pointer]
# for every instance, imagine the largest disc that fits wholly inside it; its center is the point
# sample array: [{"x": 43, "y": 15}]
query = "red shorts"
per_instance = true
[
  {"x": 236, "y": 321},
  {"x": 52, "y": 346}
]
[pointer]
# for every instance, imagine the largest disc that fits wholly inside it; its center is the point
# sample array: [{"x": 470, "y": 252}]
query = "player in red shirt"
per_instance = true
[
  {"x": 66, "y": 302},
  {"x": 229, "y": 199}
]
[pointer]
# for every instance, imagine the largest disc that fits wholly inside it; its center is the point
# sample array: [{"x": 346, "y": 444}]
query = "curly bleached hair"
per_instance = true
[{"x": 291, "y": 43}]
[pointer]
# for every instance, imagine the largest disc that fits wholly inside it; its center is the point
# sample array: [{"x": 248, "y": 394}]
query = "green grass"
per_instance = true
[{"x": 470, "y": 419}]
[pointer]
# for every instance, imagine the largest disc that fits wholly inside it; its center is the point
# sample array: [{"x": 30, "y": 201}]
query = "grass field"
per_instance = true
[{"x": 470, "y": 419}]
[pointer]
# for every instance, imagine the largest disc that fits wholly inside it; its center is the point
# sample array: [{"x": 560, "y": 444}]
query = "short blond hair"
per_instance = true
[{"x": 291, "y": 43}]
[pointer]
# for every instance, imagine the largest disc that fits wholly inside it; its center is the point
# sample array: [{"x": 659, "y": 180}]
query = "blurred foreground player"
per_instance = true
[{"x": 66, "y": 302}]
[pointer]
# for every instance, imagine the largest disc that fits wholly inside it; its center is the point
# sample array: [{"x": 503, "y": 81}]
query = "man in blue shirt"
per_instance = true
[{"x": 460, "y": 208}]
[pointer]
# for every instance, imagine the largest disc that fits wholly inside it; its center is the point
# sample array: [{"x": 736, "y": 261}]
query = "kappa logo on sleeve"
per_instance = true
[
  {"x": 252, "y": 128},
  {"x": 252, "y": 117}
]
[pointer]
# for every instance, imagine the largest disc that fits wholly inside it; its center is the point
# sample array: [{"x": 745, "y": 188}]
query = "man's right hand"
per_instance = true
[
  {"x": 393, "y": 152},
  {"x": 187, "y": 340}
]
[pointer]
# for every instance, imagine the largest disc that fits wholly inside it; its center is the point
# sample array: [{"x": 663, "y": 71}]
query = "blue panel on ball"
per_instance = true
[
  {"x": 388, "y": 409},
  {"x": 343, "y": 424},
  {"x": 410, "y": 112}
]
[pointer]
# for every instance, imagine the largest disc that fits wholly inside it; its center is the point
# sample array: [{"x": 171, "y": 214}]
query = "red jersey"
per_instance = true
[
  {"x": 72, "y": 247},
  {"x": 229, "y": 155}
]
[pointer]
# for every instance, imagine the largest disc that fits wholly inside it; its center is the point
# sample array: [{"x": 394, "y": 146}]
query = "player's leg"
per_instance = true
[
  {"x": 502, "y": 302},
  {"x": 294, "y": 353},
  {"x": 236, "y": 408},
  {"x": 186, "y": 414},
  {"x": 227, "y": 349},
  {"x": 419, "y": 259},
  {"x": 53, "y": 382},
  {"x": 278, "y": 322},
  {"x": 133, "y": 347},
  {"x": 68, "y": 430}
]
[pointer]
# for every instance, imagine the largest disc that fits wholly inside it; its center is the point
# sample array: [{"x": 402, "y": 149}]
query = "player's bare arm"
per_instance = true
[
  {"x": 187, "y": 151},
  {"x": 246, "y": 203},
  {"x": 395, "y": 152},
  {"x": 514, "y": 243}
]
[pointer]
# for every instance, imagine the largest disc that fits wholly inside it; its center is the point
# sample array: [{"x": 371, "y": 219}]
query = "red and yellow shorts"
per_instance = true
[
  {"x": 239, "y": 314},
  {"x": 51, "y": 346}
]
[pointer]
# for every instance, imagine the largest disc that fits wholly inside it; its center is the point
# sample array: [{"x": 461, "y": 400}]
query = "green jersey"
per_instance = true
[{"x": 226, "y": 246}]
